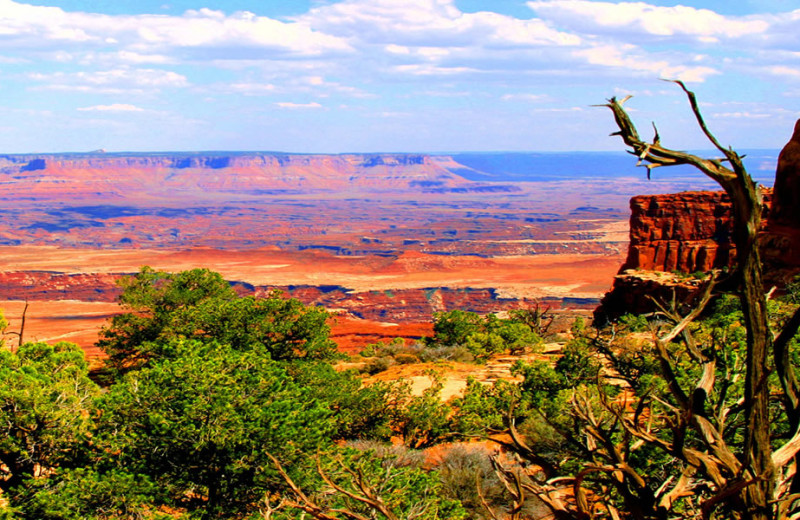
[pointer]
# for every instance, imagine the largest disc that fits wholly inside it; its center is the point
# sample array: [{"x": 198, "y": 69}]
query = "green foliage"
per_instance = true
[
  {"x": 85, "y": 494},
  {"x": 357, "y": 411},
  {"x": 578, "y": 326},
  {"x": 200, "y": 304},
  {"x": 455, "y": 327},
  {"x": 484, "y": 409},
  {"x": 382, "y": 349},
  {"x": 422, "y": 421},
  {"x": 576, "y": 366},
  {"x": 482, "y": 336},
  {"x": 45, "y": 398},
  {"x": 633, "y": 322},
  {"x": 199, "y": 423}
]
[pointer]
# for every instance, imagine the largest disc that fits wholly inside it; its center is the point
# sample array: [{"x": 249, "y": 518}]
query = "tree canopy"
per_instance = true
[{"x": 200, "y": 304}]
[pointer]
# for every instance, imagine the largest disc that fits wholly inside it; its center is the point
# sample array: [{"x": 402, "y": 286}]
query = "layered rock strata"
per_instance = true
[
  {"x": 675, "y": 235},
  {"x": 683, "y": 232}
]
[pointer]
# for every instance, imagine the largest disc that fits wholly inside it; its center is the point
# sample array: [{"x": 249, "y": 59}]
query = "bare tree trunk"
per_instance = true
[
  {"x": 757, "y": 447},
  {"x": 757, "y": 452}
]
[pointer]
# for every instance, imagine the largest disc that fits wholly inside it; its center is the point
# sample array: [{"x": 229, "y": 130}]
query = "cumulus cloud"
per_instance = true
[
  {"x": 629, "y": 58},
  {"x": 251, "y": 89},
  {"x": 29, "y": 26},
  {"x": 783, "y": 71},
  {"x": 387, "y": 39},
  {"x": 116, "y": 107},
  {"x": 428, "y": 23},
  {"x": 407, "y": 55},
  {"x": 645, "y": 19},
  {"x": 434, "y": 39}
]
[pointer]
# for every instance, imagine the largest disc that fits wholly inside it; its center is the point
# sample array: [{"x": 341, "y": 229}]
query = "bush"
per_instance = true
[
  {"x": 406, "y": 359},
  {"x": 199, "y": 304},
  {"x": 481, "y": 336}
]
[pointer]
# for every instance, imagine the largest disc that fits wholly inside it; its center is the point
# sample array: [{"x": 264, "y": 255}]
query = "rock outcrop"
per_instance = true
[
  {"x": 780, "y": 243},
  {"x": 787, "y": 184},
  {"x": 690, "y": 232},
  {"x": 675, "y": 235},
  {"x": 683, "y": 232}
]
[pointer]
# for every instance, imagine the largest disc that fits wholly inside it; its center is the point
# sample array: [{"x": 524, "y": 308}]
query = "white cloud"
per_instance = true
[
  {"x": 233, "y": 35},
  {"x": 628, "y": 57},
  {"x": 784, "y": 71},
  {"x": 116, "y": 107},
  {"x": 400, "y": 24},
  {"x": 431, "y": 70},
  {"x": 398, "y": 49},
  {"x": 111, "y": 81},
  {"x": 743, "y": 115},
  {"x": 35, "y": 27},
  {"x": 645, "y": 19},
  {"x": 298, "y": 106},
  {"x": 250, "y": 89},
  {"x": 140, "y": 59}
]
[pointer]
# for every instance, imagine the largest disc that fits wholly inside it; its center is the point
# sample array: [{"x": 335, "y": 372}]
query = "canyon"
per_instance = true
[{"x": 381, "y": 240}]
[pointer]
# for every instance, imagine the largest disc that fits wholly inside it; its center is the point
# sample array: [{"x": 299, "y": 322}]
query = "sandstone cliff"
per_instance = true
[
  {"x": 684, "y": 232},
  {"x": 675, "y": 235}
]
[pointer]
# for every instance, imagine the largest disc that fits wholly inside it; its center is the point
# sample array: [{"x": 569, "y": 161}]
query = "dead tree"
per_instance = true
[
  {"x": 369, "y": 495},
  {"x": 536, "y": 316},
  {"x": 758, "y": 466},
  {"x": 750, "y": 475}
]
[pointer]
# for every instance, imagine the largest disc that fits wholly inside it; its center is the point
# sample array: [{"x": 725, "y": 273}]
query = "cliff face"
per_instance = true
[
  {"x": 681, "y": 233},
  {"x": 684, "y": 232}
]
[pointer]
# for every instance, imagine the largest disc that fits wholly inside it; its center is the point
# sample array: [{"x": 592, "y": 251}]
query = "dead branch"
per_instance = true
[
  {"x": 746, "y": 201},
  {"x": 303, "y": 502}
]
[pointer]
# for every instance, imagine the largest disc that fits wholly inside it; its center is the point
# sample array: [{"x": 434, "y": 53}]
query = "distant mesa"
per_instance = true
[{"x": 132, "y": 175}]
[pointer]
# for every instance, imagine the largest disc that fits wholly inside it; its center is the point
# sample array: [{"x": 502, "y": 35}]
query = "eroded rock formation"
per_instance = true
[
  {"x": 675, "y": 235},
  {"x": 787, "y": 184},
  {"x": 683, "y": 232}
]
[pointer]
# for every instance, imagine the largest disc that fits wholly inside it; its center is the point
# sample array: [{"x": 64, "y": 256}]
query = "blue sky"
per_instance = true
[{"x": 332, "y": 76}]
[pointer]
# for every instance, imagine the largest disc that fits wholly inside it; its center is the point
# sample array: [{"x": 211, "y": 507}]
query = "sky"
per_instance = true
[{"x": 337, "y": 76}]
